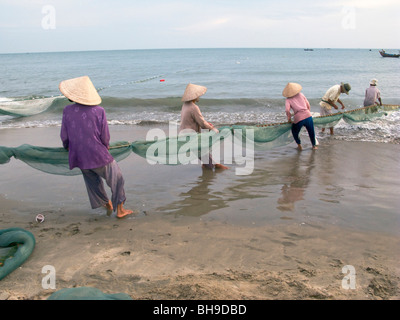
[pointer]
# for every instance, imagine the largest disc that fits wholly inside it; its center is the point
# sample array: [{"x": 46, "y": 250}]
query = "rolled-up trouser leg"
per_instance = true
[
  {"x": 114, "y": 179},
  {"x": 95, "y": 188}
]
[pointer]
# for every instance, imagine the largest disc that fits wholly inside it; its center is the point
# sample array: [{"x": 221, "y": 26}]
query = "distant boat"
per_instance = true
[
  {"x": 308, "y": 49},
  {"x": 388, "y": 55}
]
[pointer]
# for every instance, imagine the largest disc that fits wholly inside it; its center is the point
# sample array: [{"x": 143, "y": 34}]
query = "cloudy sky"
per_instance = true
[{"x": 71, "y": 25}]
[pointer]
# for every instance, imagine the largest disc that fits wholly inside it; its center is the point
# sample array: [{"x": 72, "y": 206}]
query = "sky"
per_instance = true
[{"x": 82, "y": 25}]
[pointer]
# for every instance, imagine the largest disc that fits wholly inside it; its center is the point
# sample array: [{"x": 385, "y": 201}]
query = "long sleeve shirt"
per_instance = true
[
  {"x": 332, "y": 94},
  {"x": 85, "y": 133},
  {"x": 300, "y": 106},
  {"x": 191, "y": 118},
  {"x": 372, "y": 94}
]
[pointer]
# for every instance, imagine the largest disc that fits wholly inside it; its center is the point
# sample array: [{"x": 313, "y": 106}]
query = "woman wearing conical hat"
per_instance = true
[
  {"x": 297, "y": 102},
  {"x": 85, "y": 134},
  {"x": 192, "y": 118}
]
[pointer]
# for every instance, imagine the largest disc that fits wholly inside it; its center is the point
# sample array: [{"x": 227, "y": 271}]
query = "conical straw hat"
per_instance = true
[
  {"x": 80, "y": 90},
  {"x": 193, "y": 91},
  {"x": 291, "y": 89}
]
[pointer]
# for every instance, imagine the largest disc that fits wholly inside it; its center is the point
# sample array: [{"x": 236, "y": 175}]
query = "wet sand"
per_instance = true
[{"x": 284, "y": 232}]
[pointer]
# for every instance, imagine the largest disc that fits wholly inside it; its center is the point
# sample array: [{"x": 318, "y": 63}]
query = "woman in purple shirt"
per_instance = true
[
  {"x": 85, "y": 134},
  {"x": 296, "y": 101}
]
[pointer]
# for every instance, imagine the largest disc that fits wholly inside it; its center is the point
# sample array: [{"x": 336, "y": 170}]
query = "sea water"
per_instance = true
[
  {"x": 340, "y": 184},
  {"x": 141, "y": 87}
]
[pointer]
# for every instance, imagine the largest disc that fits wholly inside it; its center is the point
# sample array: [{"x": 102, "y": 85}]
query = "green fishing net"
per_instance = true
[
  {"x": 16, "y": 245},
  {"x": 55, "y": 160},
  {"x": 190, "y": 147},
  {"x": 26, "y": 107}
]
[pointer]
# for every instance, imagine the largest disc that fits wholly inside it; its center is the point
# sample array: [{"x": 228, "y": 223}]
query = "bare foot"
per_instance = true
[
  {"x": 109, "y": 208},
  {"x": 315, "y": 148},
  {"x": 299, "y": 147},
  {"x": 122, "y": 212},
  {"x": 221, "y": 167}
]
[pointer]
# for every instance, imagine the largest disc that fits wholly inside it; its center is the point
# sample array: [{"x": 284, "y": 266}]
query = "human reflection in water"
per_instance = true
[
  {"x": 301, "y": 178},
  {"x": 199, "y": 200}
]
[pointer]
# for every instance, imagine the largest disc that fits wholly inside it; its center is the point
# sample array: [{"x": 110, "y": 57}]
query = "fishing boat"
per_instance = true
[{"x": 388, "y": 55}]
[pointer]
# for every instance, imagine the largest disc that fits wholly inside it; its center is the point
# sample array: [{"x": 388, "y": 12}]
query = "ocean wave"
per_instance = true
[
  {"x": 29, "y": 124},
  {"x": 161, "y": 111},
  {"x": 32, "y": 105},
  {"x": 174, "y": 104},
  {"x": 383, "y": 130}
]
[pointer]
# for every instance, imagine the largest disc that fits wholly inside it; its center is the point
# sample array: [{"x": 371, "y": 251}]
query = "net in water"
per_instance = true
[{"x": 187, "y": 148}]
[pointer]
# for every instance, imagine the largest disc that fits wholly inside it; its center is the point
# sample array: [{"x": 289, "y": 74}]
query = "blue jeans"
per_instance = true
[{"x": 309, "y": 124}]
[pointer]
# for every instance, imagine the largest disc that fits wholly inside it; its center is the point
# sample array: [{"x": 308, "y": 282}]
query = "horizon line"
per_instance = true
[{"x": 199, "y": 48}]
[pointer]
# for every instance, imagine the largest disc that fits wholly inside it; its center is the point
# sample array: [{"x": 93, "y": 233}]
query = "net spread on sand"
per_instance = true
[
  {"x": 187, "y": 148},
  {"x": 16, "y": 245}
]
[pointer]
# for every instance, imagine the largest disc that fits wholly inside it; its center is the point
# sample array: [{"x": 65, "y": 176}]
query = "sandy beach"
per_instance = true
[{"x": 284, "y": 232}]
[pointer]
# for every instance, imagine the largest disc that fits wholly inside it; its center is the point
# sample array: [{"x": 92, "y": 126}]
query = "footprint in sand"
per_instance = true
[{"x": 72, "y": 229}]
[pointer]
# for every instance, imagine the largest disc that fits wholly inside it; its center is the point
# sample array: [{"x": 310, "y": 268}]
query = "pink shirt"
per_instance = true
[
  {"x": 300, "y": 106},
  {"x": 371, "y": 95}
]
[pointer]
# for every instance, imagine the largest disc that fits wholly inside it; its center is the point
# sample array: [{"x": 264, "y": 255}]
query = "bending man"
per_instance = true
[{"x": 330, "y": 99}]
